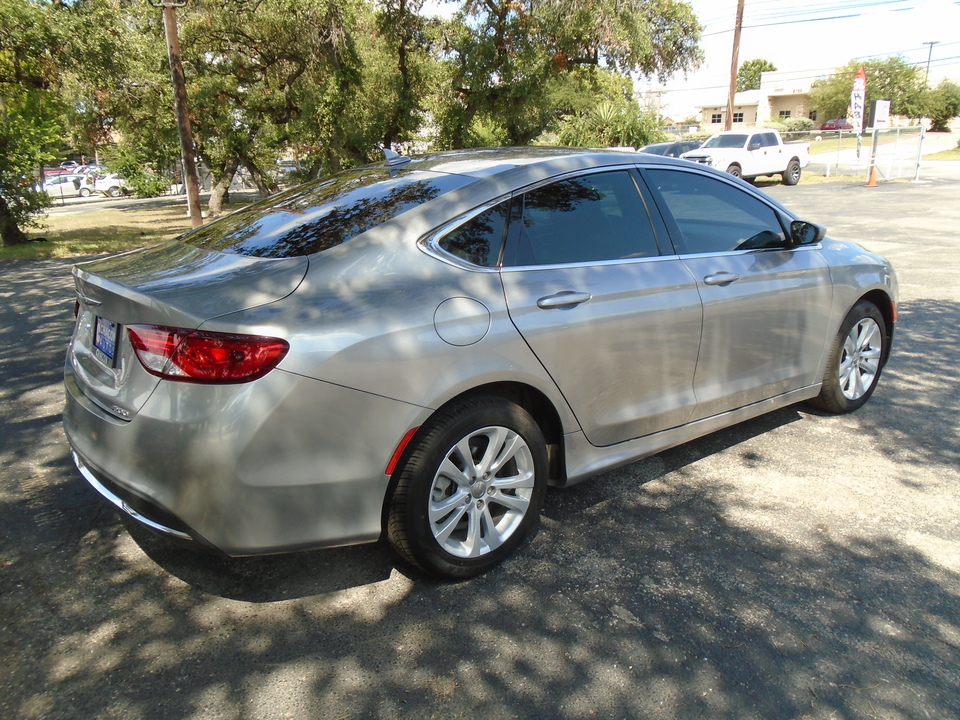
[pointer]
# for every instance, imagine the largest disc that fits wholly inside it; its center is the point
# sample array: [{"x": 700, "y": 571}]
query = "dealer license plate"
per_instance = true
[{"x": 105, "y": 335}]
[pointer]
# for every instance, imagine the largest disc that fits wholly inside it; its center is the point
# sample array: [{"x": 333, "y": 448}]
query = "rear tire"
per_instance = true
[
  {"x": 84, "y": 192},
  {"x": 470, "y": 489},
  {"x": 791, "y": 176},
  {"x": 856, "y": 360}
]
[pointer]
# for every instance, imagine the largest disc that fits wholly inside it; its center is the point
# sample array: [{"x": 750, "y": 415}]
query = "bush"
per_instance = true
[
  {"x": 143, "y": 181},
  {"x": 774, "y": 125},
  {"x": 798, "y": 124}
]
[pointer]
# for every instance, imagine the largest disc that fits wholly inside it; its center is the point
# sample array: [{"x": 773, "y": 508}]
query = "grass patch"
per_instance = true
[
  {"x": 106, "y": 231},
  {"x": 834, "y": 143},
  {"x": 103, "y": 232},
  {"x": 952, "y": 154}
]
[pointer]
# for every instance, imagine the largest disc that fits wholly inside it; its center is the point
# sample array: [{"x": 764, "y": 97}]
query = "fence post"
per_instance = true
[{"x": 916, "y": 174}]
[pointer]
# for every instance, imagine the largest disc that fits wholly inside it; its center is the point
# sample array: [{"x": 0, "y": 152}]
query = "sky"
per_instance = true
[
  {"x": 809, "y": 37},
  {"x": 812, "y": 38}
]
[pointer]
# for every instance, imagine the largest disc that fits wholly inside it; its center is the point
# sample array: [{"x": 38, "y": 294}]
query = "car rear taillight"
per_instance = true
[{"x": 205, "y": 357}]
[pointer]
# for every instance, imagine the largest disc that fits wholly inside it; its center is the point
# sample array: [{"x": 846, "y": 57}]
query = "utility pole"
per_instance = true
[
  {"x": 728, "y": 122},
  {"x": 931, "y": 43},
  {"x": 180, "y": 102}
]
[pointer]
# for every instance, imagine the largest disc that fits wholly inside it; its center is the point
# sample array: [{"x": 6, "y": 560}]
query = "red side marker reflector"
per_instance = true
[{"x": 392, "y": 465}]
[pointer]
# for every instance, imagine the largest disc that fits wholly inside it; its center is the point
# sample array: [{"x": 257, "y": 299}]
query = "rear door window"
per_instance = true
[{"x": 586, "y": 219}]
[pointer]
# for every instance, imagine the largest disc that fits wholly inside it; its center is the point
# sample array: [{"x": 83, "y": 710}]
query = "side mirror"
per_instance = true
[
  {"x": 753, "y": 146},
  {"x": 806, "y": 233}
]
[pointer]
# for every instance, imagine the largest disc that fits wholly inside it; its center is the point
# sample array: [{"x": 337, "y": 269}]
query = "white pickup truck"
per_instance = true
[{"x": 751, "y": 153}]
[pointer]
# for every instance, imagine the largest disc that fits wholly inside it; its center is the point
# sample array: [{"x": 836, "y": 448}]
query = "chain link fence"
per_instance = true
[{"x": 843, "y": 152}]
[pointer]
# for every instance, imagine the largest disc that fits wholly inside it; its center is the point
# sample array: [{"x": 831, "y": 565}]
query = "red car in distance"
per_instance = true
[{"x": 836, "y": 125}]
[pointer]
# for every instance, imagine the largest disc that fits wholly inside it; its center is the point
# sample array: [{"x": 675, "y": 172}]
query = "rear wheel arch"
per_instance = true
[
  {"x": 527, "y": 397},
  {"x": 469, "y": 486}
]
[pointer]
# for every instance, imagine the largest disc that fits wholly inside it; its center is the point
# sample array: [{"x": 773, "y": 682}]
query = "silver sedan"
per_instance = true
[{"x": 417, "y": 349}]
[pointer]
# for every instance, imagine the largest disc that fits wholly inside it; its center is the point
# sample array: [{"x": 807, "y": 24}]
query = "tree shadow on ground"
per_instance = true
[{"x": 643, "y": 594}]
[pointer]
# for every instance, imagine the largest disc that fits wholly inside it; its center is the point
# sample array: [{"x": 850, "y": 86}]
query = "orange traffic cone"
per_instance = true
[{"x": 872, "y": 182}]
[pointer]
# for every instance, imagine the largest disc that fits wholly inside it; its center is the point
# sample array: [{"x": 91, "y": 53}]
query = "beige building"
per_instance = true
[{"x": 782, "y": 95}]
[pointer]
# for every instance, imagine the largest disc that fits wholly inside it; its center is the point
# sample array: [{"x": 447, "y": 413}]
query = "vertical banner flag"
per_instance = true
[{"x": 858, "y": 100}]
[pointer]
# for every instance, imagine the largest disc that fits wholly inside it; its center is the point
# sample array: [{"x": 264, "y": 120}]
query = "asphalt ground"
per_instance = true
[{"x": 796, "y": 566}]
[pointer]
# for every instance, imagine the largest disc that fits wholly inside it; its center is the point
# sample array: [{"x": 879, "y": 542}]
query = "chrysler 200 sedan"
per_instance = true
[{"x": 417, "y": 349}]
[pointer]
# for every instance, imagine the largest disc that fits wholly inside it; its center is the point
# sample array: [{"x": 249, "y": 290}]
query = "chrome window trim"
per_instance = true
[
  {"x": 596, "y": 263},
  {"x": 783, "y": 215},
  {"x": 430, "y": 243},
  {"x": 632, "y": 165},
  {"x": 725, "y": 253}
]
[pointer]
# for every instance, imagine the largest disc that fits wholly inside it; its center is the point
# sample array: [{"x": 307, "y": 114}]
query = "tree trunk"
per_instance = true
[
  {"x": 10, "y": 232},
  {"x": 222, "y": 189},
  {"x": 265, "y": 186}
]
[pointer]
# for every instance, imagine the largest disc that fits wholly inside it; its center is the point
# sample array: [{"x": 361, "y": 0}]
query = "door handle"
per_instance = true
[
  {"x": 566, "y": 298},
  {"x": 721, "y": 278}
]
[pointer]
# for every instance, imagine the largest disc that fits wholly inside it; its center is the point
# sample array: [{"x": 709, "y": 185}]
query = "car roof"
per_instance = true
[{"x": 522, "y": 165}]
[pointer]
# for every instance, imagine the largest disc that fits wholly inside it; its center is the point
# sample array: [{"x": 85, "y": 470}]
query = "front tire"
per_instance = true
[
  {"x": 735, "y": 170},
  {"x": 856, "y": 360},
  {"x": 791, "y": 176},
  {"x": 84, "y": 192},
  {"x": 114, "y": 192},
  {"x": 470, "y": 489}
]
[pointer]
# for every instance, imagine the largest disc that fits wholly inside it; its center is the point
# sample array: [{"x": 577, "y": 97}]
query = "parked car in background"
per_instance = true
[
  {"x": 749, "y": 154},
  {"x": 416, "y": 349},
  {"x": 671, "y": 149},
  {"x": 68, "y": 185},
  {"x": 110, "y": 184},
  {"x": 836, "y": 125}
]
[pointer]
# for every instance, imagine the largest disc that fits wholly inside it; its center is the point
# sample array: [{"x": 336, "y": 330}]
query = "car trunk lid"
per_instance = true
[{"x": 170, "y": 285}]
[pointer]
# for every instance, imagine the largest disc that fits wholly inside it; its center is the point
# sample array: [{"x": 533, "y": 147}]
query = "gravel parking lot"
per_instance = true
[{"x": 796, "y": 566}]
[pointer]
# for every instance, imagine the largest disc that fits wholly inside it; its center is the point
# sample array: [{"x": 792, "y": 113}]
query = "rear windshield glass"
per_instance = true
[{"x": 317, "y": 216}]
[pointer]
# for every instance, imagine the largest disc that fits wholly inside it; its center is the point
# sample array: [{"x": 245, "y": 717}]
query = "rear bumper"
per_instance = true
[
  {"x": 283, "y": 463},
  {"x": 140, "y": 509}
]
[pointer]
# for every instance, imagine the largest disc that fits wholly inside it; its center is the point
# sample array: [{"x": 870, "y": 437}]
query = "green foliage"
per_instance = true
[
  {"x": 887, "y": 79},
  {"x": 106, "y": 50},
  {"x": 748, "y": 76},
  {"x": 941, "y": 104},
  {"x": 29, "y": 114},
  {"x": 503, "y": 58},
  {"x": 331, "y": 81},
  {"x": 798, "y": 124},
  {"x": 143, "y": 177},
  {"x": 610, "y": 124},
  {"x": 775, "y": 125},
  {"x": 596, "y": 107}
]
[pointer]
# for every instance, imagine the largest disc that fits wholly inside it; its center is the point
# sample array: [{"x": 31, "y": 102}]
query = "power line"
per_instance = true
[
  {"x": 798, "y": 13},
  {"x": 808, "y": 9},
  {"x": 811, "y": 74}
]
